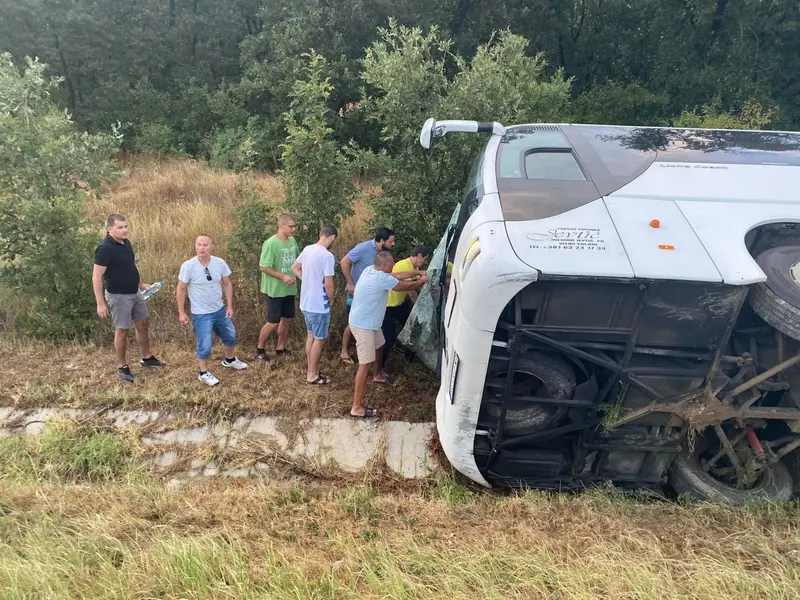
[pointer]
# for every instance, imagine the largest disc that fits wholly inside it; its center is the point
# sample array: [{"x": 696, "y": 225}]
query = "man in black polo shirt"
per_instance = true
[{"x": 114, "y": 263}]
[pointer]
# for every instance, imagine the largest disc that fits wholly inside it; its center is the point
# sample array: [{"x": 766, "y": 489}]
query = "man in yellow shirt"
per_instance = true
[{"x": 398, "y": 306}]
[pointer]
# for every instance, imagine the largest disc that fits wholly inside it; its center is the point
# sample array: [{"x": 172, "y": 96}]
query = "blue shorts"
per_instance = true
[
  {"x": 205, "y": 326},
  {"x": 317, "y": 324}
]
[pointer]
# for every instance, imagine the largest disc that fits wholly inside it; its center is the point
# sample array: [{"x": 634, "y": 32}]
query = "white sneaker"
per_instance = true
[
  {"x": 235, "y": 364},
  {"x": 208, "y": 378}
]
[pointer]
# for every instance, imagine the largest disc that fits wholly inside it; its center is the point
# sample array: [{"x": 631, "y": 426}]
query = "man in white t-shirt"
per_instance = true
[
  {"x": 366, "y": 318},
  {"x": 314, "y": 267},
  {"x": 206, "y": 277}
]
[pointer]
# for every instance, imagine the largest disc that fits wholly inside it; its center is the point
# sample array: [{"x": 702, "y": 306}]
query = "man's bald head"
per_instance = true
[{"x": 384, "y": 261}]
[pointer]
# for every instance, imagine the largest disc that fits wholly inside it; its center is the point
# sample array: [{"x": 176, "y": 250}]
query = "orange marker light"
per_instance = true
[
  {"x": 665, "y": 247},
  {"x": 655, "y": 223}
]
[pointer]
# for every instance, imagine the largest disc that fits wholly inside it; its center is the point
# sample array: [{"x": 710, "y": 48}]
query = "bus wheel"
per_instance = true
[
  {"x": 703, "y": 475},
  {"x": 536, "y": 375},
  {"x": 777, "y": 301}
]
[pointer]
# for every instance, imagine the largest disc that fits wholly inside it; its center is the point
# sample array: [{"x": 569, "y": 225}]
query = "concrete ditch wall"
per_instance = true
[{"x": 183, "y": 446}]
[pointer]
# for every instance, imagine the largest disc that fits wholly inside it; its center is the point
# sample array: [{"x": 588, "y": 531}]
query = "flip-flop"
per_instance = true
[
  {"x": 369, "y": 413},
  {"x": 320, "y": 380},
  {"x": 283, "y": 352},
  {"x": 347, "y": 361},
  {"x": 386, "y": 381}
]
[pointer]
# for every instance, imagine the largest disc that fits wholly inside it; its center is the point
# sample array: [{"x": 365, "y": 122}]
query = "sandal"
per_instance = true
[
  {"x": 386, "y": 381},
  {"x": 320, "y": 380},
  {"x": 283, "y": 352},
  {"x": 369, "y": 413}
]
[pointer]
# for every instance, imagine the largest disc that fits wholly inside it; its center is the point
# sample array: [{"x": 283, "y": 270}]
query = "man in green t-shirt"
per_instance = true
[{"x": 278, "y": 284}]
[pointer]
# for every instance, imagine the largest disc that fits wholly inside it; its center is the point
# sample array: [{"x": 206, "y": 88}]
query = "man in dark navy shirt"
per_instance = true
[{"x": 115, "y": 264}]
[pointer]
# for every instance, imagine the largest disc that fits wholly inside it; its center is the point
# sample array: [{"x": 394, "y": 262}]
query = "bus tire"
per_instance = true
[
  {"x": 777, "y": 301},
  {"x": 686, "y": 476},
  {"x": 556, "y": 374}
]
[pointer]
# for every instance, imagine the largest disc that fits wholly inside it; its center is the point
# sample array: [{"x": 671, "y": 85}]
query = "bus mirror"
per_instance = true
[
  {"x": 432, "y": 129},
  {"x": 426, "y": 135}
]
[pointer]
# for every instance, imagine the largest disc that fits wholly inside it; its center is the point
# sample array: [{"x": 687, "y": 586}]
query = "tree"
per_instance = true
[
  {"x": 408, "y": 71},
  {"x": 47, "y": 171},
  {"x": 316, "y": 174}
]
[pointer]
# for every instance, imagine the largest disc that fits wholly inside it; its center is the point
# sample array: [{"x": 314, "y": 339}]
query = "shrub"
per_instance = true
[
  {"x": 316, "y": 174},
  {"x": 714, "y": 116},
  {"x": 408, "y": 75},
  {"x": 47, "y": 170}
]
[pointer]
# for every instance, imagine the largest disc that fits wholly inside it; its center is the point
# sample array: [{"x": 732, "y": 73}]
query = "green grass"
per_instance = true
[
  {"x": 77, "y": 521},
  {"x": 66, "y": 452}
]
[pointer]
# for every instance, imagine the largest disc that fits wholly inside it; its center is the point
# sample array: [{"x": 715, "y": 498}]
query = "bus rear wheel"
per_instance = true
[{"x": 536, "y": 375}]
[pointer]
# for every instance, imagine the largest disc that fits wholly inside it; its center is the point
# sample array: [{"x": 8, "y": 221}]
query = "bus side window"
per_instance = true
[{"x": 471, "y": 199}]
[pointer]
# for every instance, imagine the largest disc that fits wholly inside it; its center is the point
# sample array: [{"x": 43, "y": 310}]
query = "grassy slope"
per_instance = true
[
  {"x": 167, "y": 203},
  {"x": 258, "y": 539},
  {"x": 79, "y": 518}
]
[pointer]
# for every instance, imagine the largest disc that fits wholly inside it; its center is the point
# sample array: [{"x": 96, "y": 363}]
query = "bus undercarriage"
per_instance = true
[{"x": 595, "y": 380}]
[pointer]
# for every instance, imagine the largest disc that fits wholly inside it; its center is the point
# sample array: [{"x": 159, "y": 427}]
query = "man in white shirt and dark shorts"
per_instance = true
[
  {"x": 314, "y": 267},
  {"x": 206, "y": 277},
  {"x": 366, "y": 318}
]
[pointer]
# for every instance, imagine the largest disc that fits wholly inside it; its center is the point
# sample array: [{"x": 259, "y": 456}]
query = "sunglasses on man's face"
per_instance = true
[{"x": 208, "y": 275}]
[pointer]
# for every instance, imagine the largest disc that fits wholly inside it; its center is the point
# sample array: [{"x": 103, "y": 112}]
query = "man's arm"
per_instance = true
[
  {"x": 347, "y": 271},
  {"x": 407, "y": 274},
  {"x": 276, "y": 274},
  {"x": 297, "y": 269},
  {"x": 227, "y": 290},
  {"x": 180, "y": 299},
  {"x": 97, "y": 285},
  {"x": 405, "y": 286},
  {"x": 329, "y": 288}
]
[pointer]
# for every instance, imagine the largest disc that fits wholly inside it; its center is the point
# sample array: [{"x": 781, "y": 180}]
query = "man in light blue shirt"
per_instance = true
[
  {"x": 353, "y": 264},
  {"x": 366, "y": 318}
]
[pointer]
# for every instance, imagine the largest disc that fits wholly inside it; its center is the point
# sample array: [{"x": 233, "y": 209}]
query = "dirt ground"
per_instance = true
[{"x": 78, "y": 376}]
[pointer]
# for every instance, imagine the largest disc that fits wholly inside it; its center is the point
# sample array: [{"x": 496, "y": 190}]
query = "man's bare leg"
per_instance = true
[
  {"x": 120, "y": 336},
  {"x": 143, "y": 337},
  {"x": 378, "y": 374},
  {"x": 358, "y": 409},
  {"x": 315, "y": 353},
  {"x": 283, "y": 333},
  {"x": 346, "y": 337},
  {"x": 265, "y": 332}
]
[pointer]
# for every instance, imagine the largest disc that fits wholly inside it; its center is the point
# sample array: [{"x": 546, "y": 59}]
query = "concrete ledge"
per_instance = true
[{"x": 348, "y": 445}]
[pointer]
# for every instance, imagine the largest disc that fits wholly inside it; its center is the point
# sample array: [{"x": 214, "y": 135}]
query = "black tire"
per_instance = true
[
  {"x": 777, "y": 301},
  {"x": 555, "y": 374},
  {"x": 687, "y": 476}
]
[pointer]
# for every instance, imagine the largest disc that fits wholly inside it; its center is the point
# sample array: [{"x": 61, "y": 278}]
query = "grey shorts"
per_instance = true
[{"x": 126, "y": 309}]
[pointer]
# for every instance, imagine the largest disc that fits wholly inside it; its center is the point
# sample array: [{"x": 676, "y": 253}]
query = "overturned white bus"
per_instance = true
[{"x": 624, "y": 307}]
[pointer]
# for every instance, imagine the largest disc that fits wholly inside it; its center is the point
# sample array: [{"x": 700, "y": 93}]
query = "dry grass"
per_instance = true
[
  {"x": 36, "y": 374},
  {"x": 255, "y": 539},
  {"x": 167, "y": 203}
]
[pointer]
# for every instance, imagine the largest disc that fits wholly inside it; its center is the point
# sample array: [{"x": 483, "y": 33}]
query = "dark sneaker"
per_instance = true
[
  {"x": 125, "y": 374},
  {"x": 261, "y": 355},
  {"x": 151, "y": 362}
]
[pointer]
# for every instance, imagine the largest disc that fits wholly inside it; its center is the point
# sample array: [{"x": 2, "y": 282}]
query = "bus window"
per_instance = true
[{"x": 552, "y": 164}]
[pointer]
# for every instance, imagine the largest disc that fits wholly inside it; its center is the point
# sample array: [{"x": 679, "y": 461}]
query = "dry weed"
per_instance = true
[
  {"x": 293, "y": 540},
  {"x": 75, "y": 376}
]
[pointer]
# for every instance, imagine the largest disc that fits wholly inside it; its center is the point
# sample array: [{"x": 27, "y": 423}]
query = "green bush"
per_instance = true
[
  {"x": 66, "y": 452},
  {"x": 47, "y": 170},
  {"x": 157, "y": 137},
  {"x": 255, "y": 221},
  {"x": 316, "y": 174},
  {"x": 412, "y": 76},
  {"x": 752, "y": 115}
]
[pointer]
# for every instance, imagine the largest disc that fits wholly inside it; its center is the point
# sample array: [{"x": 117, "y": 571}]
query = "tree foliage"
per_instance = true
[
  {"x": 315, "y": 175},
  {"x": 409, "y": 73},
  {"x": 47, "y": 169}
]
